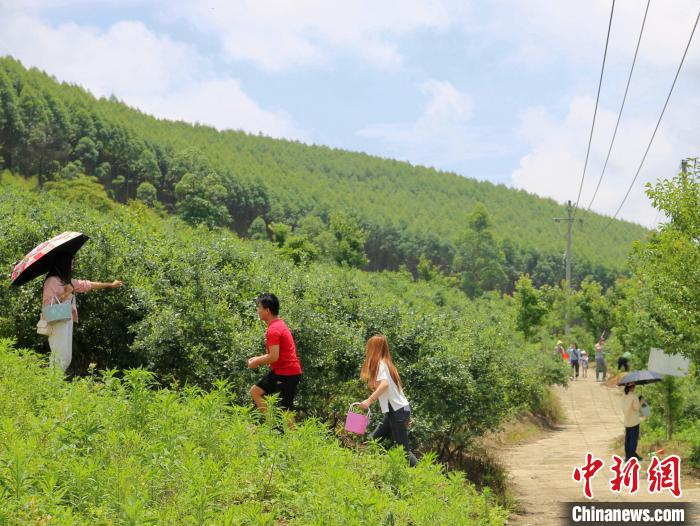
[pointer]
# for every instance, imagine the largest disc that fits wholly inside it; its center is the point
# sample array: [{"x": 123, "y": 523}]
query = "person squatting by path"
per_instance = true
[
  {"x": 623, "y": 362},
  {"x": 60, "y": 286},
  {"x": 285, "y": 372},
  {"x": 381, "y": 376}
]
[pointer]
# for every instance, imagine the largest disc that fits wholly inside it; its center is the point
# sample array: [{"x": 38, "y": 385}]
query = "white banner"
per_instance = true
[{"x": 669, "y": 364}]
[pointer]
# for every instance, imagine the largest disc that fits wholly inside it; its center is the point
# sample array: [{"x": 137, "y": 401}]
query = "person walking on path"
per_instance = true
[
  {"x": 631, "y": 407},
  {"x": 281, "y": 356},
  {"x": 584, "y": 364},
  {"x": 601, "y": 368},
  {"x": 59, "y": 286},
  {"x": 381, "y": 376},
  {"x": 575, "y": 359}
]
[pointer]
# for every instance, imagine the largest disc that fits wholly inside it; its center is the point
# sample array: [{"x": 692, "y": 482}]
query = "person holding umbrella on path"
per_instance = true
[
  {"x": 632, "y": 407},
  {"x": 55, "y": 259}
]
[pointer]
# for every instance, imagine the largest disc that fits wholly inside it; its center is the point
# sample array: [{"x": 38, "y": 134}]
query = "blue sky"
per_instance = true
[{"x": 501, "y": 90}]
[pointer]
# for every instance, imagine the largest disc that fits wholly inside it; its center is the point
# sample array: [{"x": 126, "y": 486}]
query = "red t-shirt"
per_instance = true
[{"x": 279, "y": 334}]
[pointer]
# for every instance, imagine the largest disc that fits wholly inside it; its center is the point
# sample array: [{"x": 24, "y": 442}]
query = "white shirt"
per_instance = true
[
  {"x": 630, "y": 408},
  {"x": 393, "y": 395}
]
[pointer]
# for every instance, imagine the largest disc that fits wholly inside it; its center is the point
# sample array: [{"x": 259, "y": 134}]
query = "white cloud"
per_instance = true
[
  {"x": 279, "y": 35},
  {"x": 151, "y": 71},
  {"x": 127, "y": 59},
  {"x": 442, "y": 135},
  {"x": 223, "y": 104},
  {"x": 543, "y": 31},
  {"x": 555, "y": 162}
]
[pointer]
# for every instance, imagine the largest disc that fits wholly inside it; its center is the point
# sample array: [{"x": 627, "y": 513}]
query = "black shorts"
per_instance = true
[{"x": 286, "y": 386}]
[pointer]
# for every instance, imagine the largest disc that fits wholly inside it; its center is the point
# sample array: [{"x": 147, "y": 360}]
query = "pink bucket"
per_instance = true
[{"x": 356, "y": 422}]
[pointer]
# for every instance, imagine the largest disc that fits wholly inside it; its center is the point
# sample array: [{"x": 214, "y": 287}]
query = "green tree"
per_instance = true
[
  {"x": 87, "y": 153},
  {"x": 82, "y": 189},
  {"x": 279, "y": 232},
  {"x": 36, "y": 118},
  {"x": 300, "y": 249},
  {"x": 11, "y": 126},
  {"x": 664, "y": 296},
  {"x": 258, "y": 229},
  {"x": 147, "y": 193},
  {"x": 594, "y": 307},
  {"x": 202, "y": 200},
  {"x": 531, "y": 310},
  {"x": 480, "y": 259},
  {"x": 349, "y": 246}
]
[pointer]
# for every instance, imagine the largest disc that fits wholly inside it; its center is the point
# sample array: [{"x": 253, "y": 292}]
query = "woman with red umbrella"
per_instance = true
[
  {"x": 55, "y": 259},
  {"x": 60, "y": 286}
]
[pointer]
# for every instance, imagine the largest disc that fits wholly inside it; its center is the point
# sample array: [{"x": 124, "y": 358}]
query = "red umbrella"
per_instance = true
[{"x": 40, "y": 260}]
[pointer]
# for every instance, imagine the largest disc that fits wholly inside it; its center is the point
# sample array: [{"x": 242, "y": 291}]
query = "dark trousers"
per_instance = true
[
  {"x": 631, "y": 440},
  {"x": 395, "y": 427},
  {"x": 623, "y": 363},
  {"x": 574, "y": 366}
]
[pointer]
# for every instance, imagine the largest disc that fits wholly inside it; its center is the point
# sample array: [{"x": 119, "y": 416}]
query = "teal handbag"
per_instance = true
[{"x": 58, "y": 311}]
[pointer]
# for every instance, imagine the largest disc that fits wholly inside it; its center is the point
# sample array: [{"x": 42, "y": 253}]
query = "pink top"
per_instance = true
[{"x": 53, "y": 286}]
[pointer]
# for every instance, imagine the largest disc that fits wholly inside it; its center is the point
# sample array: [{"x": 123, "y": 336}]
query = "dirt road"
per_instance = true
[{"x": 540, "y": 472}]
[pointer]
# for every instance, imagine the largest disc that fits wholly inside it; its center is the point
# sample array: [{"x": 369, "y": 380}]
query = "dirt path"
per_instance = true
[{"x": 540, "y": 472}]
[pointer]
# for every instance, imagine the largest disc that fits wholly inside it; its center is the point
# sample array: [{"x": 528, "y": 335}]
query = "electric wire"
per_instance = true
[
  {"x": 658, "y": 122},
  {"x": 595, "y": 110},
  {"x": 622, "y": 107}
]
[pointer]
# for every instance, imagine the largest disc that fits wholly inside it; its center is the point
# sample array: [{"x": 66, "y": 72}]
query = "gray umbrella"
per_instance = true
[{"x": 640, "y": 378}]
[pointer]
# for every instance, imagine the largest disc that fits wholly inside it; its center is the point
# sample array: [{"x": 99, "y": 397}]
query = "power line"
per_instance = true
[
  {"x": 639, "y": 169},
  {"x": 595, "y": 111},
  {"x": 622, "y": 106}
]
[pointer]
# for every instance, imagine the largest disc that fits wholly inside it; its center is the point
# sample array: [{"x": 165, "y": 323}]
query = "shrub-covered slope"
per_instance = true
[{"x": 104, "y": 450}]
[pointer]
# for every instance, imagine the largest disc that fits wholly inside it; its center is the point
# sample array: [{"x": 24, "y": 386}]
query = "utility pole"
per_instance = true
[{"x": 569, "y": 224}]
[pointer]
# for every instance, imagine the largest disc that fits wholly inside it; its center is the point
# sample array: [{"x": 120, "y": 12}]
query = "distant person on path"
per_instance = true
[
  {"x": 281, "y": 356},
  {"x": 584, "y": 364},
  {"x": 60, "y": 286},
  {"x": 600, "y": 366},
  {"x": 623, "y": 362},
  {"x": 575, "y": 359},
  {"x": 381, "y": 376},
  {"x": 631, "y": 407}
]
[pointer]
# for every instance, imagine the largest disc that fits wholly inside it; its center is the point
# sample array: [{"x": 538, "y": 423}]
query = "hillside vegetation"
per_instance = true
[
  {"x": 187, "y": 313},
  {"x": 253, "y": 184},
  {"x": 104, "y": 450}
]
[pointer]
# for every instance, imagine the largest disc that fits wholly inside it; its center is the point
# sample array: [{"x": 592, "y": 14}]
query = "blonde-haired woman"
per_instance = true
[{"x": 381, "y": 375}]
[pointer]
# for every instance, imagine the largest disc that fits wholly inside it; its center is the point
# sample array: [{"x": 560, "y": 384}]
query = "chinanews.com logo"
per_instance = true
[{"x": 663, "y": 476}]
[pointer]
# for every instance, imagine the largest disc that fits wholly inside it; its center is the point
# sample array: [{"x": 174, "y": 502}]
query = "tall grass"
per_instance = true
[{"x": 110, "y": 449}]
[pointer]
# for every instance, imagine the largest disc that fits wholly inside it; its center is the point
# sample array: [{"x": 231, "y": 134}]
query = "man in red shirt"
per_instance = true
[{"x": 281, "y": 355}]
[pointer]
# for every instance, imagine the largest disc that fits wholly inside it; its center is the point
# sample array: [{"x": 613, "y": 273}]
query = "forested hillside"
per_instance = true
[{"x": 321, "y": 202}]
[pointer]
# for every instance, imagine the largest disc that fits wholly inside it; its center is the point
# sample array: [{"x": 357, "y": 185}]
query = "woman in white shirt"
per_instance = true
[
  {"x": 631, "y": 408},
  {"x": 382, "y": 376}
]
